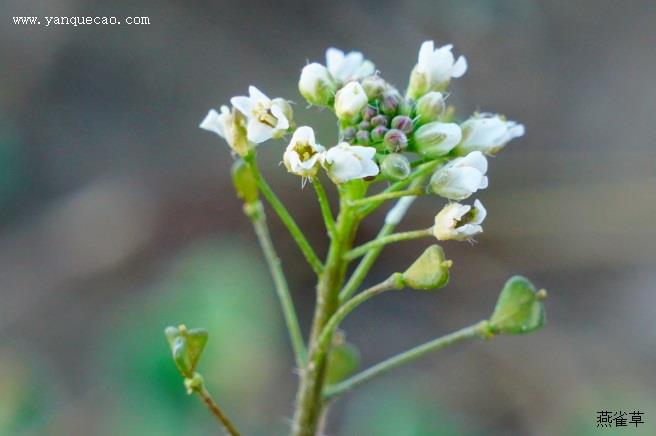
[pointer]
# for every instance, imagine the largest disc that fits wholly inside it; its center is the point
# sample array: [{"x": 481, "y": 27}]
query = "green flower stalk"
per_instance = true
[{"x": 391, "y": 148}]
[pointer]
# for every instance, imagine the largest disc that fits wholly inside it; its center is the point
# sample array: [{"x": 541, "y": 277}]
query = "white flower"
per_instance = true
[
  {"x": 437, "y": 139},
  {"x": 429, "y": 107},
  {"x": 316, "y": 84},
  {"x": 303, "y": 155},
  {"x": 488, "y": 133},
  {"x": 434, "y": 69},
  {"x": 345, "y": 68},
  {"x": 266, "y": 118},
  {"x": 345, "y": 162},
  {"x": 231, "y": 126},
  {"x": 459, "y": 222},
  {"x": 349, "y": 101},
  {"x": 461, "y": 177}
]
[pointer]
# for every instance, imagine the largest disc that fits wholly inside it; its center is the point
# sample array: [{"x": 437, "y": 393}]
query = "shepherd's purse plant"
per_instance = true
[{"x": 391, "y": 147}]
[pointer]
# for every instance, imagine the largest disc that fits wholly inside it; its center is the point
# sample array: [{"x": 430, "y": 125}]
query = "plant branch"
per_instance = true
[
  {"x": 381, "y": 242},
  {"x": 324, "y": 204},
  {"x": 255, "y": 212},
  {"x": 198, "y": 387},
  {"x": 480, "y": 330},
  {"x": 388, "y": 196},
  {"x": 285, "y": 217}
]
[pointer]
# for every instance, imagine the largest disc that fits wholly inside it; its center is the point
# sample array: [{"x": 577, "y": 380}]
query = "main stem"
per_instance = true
[{"x": 309, "y": 401}]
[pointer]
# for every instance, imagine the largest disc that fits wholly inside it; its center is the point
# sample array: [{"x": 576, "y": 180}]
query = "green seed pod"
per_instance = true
[
  {"x": 519, "y": 308},
  {"x": 343, "y": 361},
  {"x": 244, "y": 182},
  {"x": 186, "y": 347},
  {"x": 429, "y": 271},
  {"x": 395, "y": 166}
]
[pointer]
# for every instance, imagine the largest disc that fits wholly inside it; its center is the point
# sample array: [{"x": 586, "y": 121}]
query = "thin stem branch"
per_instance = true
[
  {"x": 255, "y": 212},
  {"x": 392, "y": 219},
  {"x": 285, "y": 217},
  {"x": 395, "y": 281},
  {"x": 381, "y": 242},
  {"x": 206, "y": 398},
  {"x": 421, "y": 171},
  {"x": 388, "y": 196},
  {"x": 324, "y": 204},
  {"x": 479, "y": 330}
]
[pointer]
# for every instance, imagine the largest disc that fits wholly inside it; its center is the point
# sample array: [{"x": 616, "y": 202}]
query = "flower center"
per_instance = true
[
  {"x": 305, "y": 150},
  {"x": 263, "y": 114}
]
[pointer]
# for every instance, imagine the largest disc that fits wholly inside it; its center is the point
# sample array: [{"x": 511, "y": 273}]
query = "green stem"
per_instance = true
[
  {"x": 421, "y": 171},
  {"x": 255, "y": 212},
  {"x": 309, "y": 402},
  {"x": 393, "y": 218},
  {"x": 480, "y": 330},
  {"x": 381, "y": 242},
  {"x": 388, "y": 196},
  {"x": 285, "y": 217},
  {"x": 324, "y": 204},
  {"x": 395, "y": 281},
  {"x": 206, "y": 398}
]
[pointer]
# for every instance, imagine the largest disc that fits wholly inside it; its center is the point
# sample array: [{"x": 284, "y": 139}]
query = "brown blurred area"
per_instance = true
[{"x": 106, "y": 183}]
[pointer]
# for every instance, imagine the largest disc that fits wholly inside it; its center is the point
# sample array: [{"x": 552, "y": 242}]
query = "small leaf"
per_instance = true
[
  {"x": 344, "y": 360},
  {"x": 519, "y": 308},
  {"x": 429, "y": 271}
]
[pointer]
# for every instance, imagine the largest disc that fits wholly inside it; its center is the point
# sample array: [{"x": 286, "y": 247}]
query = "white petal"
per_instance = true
[
  {"x": 212, "y": 123},
  {"x": 302, "y": 134},
  {"x": 425, "y": 52},
  {"x": 459, "y": 68},
  {"x": 243, "y": 104},
  {"x": 475, "y": 159},
  {"x": 259, "y": 132},
  {"x": 334, "y": 58},
  {"x": 481, "y": 212},
  {"x": 277, "y": 112},
  {"x": 257, "y": 95}
]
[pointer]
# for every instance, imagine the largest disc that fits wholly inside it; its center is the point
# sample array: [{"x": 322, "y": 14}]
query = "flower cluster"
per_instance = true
[{"x": 383, "y": 134}]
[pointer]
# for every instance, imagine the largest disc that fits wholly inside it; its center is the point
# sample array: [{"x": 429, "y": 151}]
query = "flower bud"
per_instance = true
[
  {"x": 348, "y": 134},
  {"x": 378, "y": 133},
  {"x": 437, "y": 139},
  {"x": 488, "y": 133},
  {"x": 316, "y": 85},
  {"x": 403, "y": 123},
  {"x": 395, "y": 166},
  {"x": 389, "y": 104},
  {"x": 349, "y": 101},
  {"x": 429, "y": 107},
  {"x": 368, "y": 113},
  {"x": 362, "y": 137},
  {"x": 395, "y": 140},
  {"x": 379, "y": 120},
  {"x": 186, "y": 347},
  {"x": 519, "y": 308},
  {"x": 374, "y": 86},
  {"x": 244, "y": 182},
  {"x": 364, "y": 125},
  {"x": 429, "y": 271},
  {"x": 461, "y": 177},
  {"x": 406, "y": 107}
]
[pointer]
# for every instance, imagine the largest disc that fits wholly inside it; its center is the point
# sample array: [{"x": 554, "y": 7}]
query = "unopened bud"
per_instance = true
[
  {"x": 362, "y": 137},
  {"x": 429, "y": 271},
  {"x": 244, "y": 182},
  {"x": 373, "y": 86},
  {"x": 349, "y": 102},
  {"x": 403, "y": 123},
  {"x": 389, "y": 104},
  {"x": 395, "y": 140},
  {"x": 316, "y": 85},
  {"x": 395, "y": 166},
  {"x": 364, "y": 125},
  {"x": 368, "y": 113},
  {"x": 378, "y": 133},
  {"x": 437, "y": 139},
  {"x": 430, "y": 107},
  {"x": 348, "y": 134},
  {"x": 379, "y": 120}
]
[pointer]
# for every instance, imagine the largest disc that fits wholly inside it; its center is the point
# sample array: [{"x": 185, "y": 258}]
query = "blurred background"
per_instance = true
[{"x": 118, "y": 218}]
